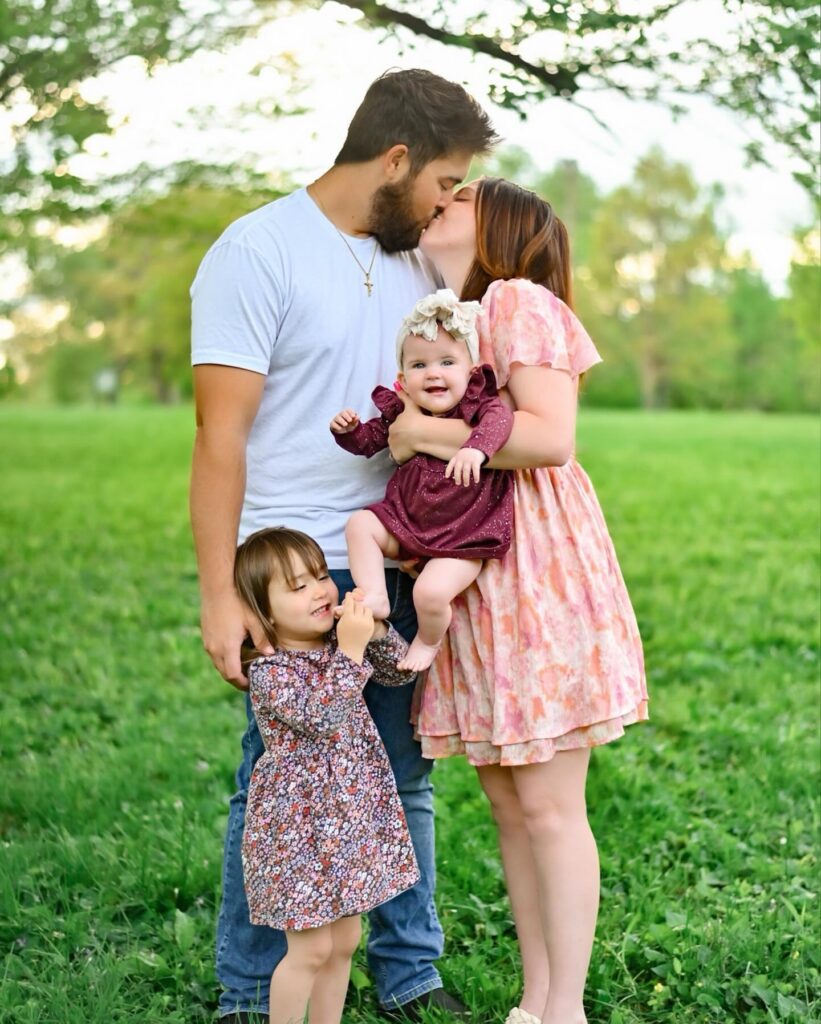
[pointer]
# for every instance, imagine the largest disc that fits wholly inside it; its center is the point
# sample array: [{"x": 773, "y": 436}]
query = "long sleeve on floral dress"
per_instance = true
[{"x": 384, "y": 654}]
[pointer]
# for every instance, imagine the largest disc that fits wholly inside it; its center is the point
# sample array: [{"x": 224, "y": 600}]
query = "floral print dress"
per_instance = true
[
  {"x": 325, "y": 834},
  {"x": 543, "y": 653}
]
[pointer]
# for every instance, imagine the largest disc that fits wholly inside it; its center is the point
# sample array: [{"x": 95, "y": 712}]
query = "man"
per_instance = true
[{"x": 295, "y": 312}]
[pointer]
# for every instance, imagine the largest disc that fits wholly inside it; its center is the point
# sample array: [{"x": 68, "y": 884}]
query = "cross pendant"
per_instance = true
[{"x": 368, "y": 284}]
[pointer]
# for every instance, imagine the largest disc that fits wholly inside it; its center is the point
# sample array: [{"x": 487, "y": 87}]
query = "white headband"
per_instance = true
[{"x": 442, "y": 307}]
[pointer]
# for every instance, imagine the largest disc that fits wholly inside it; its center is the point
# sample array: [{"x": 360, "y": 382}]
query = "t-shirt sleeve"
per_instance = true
[
  {"x": 529, "y": 325},
  {"x": 237, "y": 305}
]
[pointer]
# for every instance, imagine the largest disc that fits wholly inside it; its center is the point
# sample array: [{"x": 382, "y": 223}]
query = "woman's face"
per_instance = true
[{"x": 453, "y": 233}]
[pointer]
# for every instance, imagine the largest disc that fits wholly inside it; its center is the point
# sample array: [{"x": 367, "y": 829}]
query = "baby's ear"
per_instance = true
[{"x": 399, "y": 383}]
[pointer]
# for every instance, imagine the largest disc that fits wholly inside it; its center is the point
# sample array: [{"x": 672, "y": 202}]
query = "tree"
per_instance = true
[
  {"x": 653, "y": 294},
  {"x": 128, "y": 292},
  {"x": 764, "y": 67},
  {"x": 801, "y": 308},
  {"x": 48, "y": 52}
]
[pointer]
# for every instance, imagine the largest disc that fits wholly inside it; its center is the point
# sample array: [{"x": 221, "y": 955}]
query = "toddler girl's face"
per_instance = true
[
  {"x": 435, "y": 373},
  {"x": 302, "y": 607}
]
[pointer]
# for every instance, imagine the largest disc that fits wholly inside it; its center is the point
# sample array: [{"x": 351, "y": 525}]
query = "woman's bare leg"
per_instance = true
[
  {"x": 522, "y": 883},
  {"x": 551, "y": 797},
  {"x": 439, "y": 582},
  {"x": 369, "y": 543},
  {"x": 328, "y": 996},
  {"x": 294, "y": 976}
]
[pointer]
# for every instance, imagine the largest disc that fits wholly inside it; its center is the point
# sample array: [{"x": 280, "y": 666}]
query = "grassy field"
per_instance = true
[{"x": 119, "y": 742}]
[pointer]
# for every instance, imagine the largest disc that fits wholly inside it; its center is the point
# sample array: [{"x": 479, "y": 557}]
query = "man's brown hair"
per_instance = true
[
  {"x": 430, "y": 115},
  {"x": 518, "y": 235}
]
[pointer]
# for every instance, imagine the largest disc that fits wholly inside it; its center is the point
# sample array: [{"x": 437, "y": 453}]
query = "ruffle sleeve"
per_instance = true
[
  {"x": 387, "y": 402},
  {"x": 525, "y": 323},
  {"x": 481, "y": 387},
  {"x": 482, "y": 409}
]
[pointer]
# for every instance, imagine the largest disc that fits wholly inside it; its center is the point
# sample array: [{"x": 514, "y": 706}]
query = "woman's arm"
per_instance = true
[{"x": 544, "y": 424}]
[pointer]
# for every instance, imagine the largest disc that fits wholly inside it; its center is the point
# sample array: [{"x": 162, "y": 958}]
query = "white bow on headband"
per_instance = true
[{"x": 442, "y": 307}]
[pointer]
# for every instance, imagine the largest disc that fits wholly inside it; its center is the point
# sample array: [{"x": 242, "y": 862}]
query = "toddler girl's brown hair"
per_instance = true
[{"x": 264, "y": 555}]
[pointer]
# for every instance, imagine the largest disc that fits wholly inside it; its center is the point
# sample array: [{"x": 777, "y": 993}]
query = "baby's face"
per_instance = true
[{"x": 435, "y": 373}]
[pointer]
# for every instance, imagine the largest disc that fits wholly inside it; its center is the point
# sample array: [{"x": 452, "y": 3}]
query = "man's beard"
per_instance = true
[{"x": 392, "y": 220}]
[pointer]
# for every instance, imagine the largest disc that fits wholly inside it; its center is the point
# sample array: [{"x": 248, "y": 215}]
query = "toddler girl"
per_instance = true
[
  {"x": 425, "y": 513},
  {"x": 325, "y": 834}
]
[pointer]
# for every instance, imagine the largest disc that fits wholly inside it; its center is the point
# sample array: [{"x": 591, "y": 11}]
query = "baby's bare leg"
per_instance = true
[
  {"x": 439, "y": 582},
  {"x": 369, "y": 543}
]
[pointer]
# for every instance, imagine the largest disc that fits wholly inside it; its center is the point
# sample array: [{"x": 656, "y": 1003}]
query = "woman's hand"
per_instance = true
[{"x": 406, "y": 430}]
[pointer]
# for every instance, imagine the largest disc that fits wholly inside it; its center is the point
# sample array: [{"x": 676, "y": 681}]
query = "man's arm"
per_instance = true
[{"x": 227, "y": 400}]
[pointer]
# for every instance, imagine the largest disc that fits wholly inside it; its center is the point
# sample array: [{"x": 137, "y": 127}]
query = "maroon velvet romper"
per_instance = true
[{"x": 430, "y": 515}]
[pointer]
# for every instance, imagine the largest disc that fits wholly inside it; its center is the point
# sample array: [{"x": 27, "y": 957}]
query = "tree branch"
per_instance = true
[{"x": 561, "y": 81}]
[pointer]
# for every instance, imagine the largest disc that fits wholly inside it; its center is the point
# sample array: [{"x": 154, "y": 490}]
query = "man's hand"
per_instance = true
[
  {"x": 226, "y": 621},
  {"x": 466, "y": 464},
  {"x": 404, "y": 432},
  {"x": 344, "y": 422},
  {"x": 355, "y": 627}
]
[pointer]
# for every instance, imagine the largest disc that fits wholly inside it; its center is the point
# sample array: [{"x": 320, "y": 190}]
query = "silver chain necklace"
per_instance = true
[{"x": 367, "y": 272}]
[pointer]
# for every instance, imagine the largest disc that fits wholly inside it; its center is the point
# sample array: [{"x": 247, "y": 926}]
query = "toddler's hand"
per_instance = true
[
  {"x": 354, "y": 628},
  {"x": 344, "y": 422},
  {"x": 466, "y": 463}
]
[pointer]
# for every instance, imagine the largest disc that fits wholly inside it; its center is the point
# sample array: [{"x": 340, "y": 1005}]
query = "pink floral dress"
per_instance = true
[
  {"x": 325, "y": 834},
  {"x": 543, "y": 653}
]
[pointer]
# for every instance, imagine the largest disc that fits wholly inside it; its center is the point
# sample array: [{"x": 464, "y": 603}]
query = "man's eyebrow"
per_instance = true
[{"x": 450, "y": 177}]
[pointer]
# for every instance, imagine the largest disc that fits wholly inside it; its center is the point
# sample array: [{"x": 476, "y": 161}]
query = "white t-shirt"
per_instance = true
[{"x": 280, "y": 294}]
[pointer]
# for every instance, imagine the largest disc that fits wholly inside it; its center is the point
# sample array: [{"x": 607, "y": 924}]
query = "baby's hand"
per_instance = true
[
  {"x": 344, "y": 422},
  {"x": 354, "y": 628},
  {"x": 466, "y": 463}
]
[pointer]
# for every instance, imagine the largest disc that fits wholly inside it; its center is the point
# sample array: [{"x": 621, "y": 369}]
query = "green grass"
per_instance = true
[{"x": 119, "y": 742}]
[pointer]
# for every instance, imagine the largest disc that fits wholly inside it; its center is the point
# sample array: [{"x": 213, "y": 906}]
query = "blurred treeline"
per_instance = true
[{"x": 680, "y": 321}]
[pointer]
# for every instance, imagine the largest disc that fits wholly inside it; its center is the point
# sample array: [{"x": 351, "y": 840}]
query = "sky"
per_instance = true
[{"x": 189, "y": 112}]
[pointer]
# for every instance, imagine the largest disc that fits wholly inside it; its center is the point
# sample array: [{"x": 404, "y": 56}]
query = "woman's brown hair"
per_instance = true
[
  {"x": 517, "y": 235},
  {"x": 263, "y": 555}
]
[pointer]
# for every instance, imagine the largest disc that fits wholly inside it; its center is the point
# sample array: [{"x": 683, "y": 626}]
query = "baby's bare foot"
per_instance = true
[
  {"x": 419, "y": 657},
  {"x": 378, "y": 603}
]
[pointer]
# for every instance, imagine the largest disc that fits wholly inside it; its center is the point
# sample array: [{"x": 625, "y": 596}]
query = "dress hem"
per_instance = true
[
  {"x": 452, "y": 744},
  {"x": 365, "y": 908}
]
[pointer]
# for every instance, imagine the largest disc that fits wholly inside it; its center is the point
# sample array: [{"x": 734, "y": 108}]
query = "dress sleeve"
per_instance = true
[
  {"x": 366, "y": 438},
  {"x": 372, "y": 436},
  {"x": 483, "y": 410},
  {"x": 383, "y": 654},
  {"x": 529, "y": 325},
  {"x": 315, "y": 702}
]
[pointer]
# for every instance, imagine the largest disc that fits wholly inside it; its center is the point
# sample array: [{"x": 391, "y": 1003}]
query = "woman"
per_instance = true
[{"x": 543, "y": 660}]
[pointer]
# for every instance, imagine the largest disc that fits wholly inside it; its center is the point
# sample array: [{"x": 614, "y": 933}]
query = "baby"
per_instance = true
[{"x": 425, "y": 514}]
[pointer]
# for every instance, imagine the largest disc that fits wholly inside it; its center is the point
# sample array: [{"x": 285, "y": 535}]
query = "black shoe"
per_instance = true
[
  {"x": 438, "y": 999},
  {"x": 245, "y": 1017}
]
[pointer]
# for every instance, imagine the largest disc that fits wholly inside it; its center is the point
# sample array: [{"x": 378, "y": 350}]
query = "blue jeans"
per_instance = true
[{"x": 405, "y": 936}]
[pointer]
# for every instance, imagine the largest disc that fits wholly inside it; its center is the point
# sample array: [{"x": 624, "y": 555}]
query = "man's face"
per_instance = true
[{"x": 400, "y": 212}]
